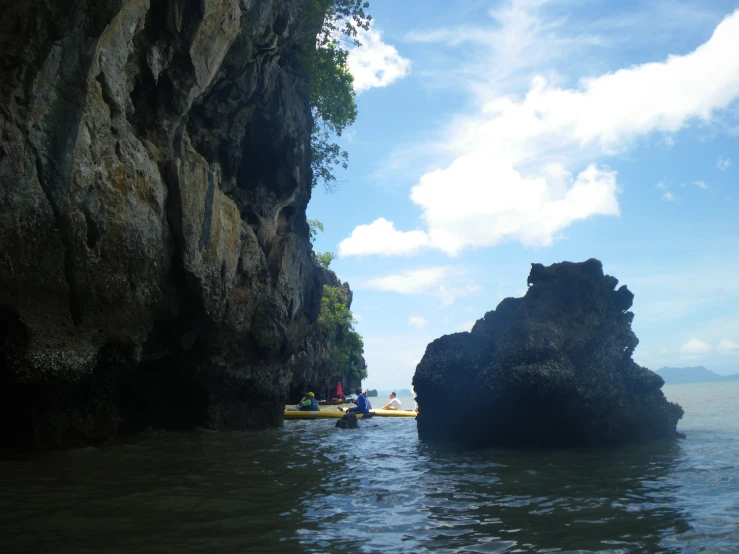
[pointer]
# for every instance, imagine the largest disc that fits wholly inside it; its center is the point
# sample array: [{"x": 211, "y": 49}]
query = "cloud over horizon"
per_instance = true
[
  {"x": 728, "y": 347},
  {"x": 695, "y": 347}
]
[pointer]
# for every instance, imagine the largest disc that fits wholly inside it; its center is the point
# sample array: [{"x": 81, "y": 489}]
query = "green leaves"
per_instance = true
[
  {"x": 342, "y": 18},
  {"x": 327, "y": 156},
  {"x": 331, "y": 90},
  {"x": 313, "y": 227},
  {"x": 336, "y": 321},
  {"x": 334, "y": 317},
  {"x": 324, "y": 259},
  {"x": 319, "y": 65},
  {"x": 347, "y": 357}
]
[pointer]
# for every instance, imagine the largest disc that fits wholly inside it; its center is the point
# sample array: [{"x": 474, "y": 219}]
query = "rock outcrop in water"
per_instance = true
[
  {"x": 553, "y": 368},
  {"x": 349, "y": 421},
  {"x": 155, "y": 266}
]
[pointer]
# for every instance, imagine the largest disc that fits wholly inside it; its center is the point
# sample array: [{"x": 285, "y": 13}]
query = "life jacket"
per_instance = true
[{"x": 312, "y": 407}]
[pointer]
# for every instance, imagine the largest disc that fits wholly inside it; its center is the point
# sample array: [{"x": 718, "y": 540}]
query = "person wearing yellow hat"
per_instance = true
[{"x": 308, "y": 403}]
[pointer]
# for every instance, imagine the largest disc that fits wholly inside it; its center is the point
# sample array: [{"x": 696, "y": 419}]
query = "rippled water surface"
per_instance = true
[{"x": 312, "y": 488}]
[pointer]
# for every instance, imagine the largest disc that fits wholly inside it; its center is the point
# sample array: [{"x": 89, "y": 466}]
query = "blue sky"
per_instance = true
[{"x": 496, "y": 134}]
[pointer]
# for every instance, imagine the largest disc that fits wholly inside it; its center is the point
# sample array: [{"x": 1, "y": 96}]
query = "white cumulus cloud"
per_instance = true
[
  {"x": 726, "y": 346},
  {"x": 375, "y": 63},
  {"x": 463, "y": 209},
  {"x": 417, "y": 321},
  {"x": 527, "y": 168},
  {"x": 381, "y": 237},
  {"x": 723, "y": 163},
  {"x": 411, "y": 281},
  {"x": 447, "y": 283},
  {"x": 700, "y": 184},
  {"x": 695, "y": 347}
]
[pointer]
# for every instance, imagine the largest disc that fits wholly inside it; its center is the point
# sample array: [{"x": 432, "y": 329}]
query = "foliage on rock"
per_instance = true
[
  {"x": 336, "y": 321},
  {"x": 319, "y": 65},
  {"x": 155, "y": 267},
  {"x": 313, "y": 227},
  {"x": 324, "y": 259}
]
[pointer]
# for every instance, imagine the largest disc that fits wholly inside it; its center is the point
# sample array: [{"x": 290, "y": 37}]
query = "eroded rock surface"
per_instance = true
[
  {"x": 553, "y": 368},
  {"x": 349, "y": 421},
  {"x": 155, "y": 267}
]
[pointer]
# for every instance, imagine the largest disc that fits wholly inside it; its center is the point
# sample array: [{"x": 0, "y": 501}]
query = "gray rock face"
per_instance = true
[
  {"x": 155, "y": 266},
  {"x": 553, "y": 368}
]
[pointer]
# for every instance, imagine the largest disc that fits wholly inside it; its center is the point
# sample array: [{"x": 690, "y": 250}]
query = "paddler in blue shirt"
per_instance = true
[{"x": 363, "y": 405}]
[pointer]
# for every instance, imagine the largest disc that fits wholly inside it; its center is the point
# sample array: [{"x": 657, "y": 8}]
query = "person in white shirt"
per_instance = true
[{"x": 394, "y": 403}]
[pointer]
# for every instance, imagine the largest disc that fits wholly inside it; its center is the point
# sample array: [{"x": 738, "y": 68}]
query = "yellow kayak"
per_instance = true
[
  {"x": 316, "y": 415},
  {"x": 394, "y": 413},
  {"x": 336, "y": 415}
]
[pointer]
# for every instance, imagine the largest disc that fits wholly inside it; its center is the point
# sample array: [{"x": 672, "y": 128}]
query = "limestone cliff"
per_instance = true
[
  {"x": 553, "y": 368},
  {"x": 155, "y": 267}
]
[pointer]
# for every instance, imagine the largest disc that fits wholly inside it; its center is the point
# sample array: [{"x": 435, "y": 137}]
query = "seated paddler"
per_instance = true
[
  {"x": 308, "y": 403},
  {"x": 394, "y": 403},
  {"x": 363, "y": 405}
]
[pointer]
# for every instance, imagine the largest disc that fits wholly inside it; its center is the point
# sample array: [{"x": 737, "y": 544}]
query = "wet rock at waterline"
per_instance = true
[
  {"x": 155, "y": 265},
  {"x": 553, "y": 368},
  {"x": 349, "y": 421}
]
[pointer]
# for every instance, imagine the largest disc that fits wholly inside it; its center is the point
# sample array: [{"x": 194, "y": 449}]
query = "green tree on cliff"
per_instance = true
[
  {"x": 318, "y": 63},
  {"x": 335, "y": 321},
  {"x": 313, "y": 227},
  {"x": 323, "y": 259}
]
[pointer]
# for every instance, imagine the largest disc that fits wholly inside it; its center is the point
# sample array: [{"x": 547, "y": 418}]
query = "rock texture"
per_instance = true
[
  {"x": 321, "y": 378},
  {"x": 553, "y": 368},
  {"x": 155, "y": 267},
  {"x": 349, "y": 421}
]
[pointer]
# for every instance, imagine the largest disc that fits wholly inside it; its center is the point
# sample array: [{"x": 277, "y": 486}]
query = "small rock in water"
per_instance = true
[{"x": 349, "y": 421}]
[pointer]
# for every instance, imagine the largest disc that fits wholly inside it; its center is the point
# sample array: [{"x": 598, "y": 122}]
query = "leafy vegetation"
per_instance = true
[
  {"x": 313, "y": 227},
  {"x": 324, "y": 259},
  {"x": 336, "y": 321},
  {"x": 319, "y": 65}
]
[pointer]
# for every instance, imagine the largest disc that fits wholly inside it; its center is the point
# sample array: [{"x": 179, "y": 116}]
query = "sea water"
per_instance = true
[{"x": 309, "y": 487}]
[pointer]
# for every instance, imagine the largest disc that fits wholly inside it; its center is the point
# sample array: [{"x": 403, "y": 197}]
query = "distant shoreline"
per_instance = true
[
  {"x": 702, "y": 382},
  {"x": 690, "y": 375}
]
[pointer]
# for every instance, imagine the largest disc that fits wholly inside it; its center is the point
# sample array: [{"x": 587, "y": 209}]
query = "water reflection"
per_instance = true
[
  {"x": 312, "y": 488},
  {"x": 429, "y": 498}
]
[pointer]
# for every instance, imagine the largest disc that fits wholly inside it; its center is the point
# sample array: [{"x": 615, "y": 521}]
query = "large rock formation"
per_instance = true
[
  {"x": 155, "y": 267},
  {"x": 553, "y": 368}
]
